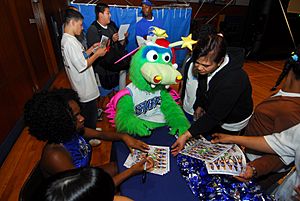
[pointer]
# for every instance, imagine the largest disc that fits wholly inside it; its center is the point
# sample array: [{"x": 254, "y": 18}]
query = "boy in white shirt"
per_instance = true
[{"x": 78, "y": 65}]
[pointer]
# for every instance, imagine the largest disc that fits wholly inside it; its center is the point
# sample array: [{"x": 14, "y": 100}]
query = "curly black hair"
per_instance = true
[{"x": 49, "y": 116}]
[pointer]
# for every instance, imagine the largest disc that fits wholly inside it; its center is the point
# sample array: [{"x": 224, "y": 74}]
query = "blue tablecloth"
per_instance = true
[{"x": 169, "y": 187}]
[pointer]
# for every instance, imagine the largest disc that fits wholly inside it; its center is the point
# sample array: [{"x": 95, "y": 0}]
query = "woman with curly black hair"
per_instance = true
[{"x": 55, "y": 117}]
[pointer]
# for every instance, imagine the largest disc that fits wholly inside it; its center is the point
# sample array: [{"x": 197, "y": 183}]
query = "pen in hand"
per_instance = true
[{"x": 145, "y": 171}]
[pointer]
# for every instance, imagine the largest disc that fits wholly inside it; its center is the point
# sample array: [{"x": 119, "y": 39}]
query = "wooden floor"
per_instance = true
[{"x": 26, "y": 151}]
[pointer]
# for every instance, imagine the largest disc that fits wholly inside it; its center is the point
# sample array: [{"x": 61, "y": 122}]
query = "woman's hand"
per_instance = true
[
  {"x": 222, "y": 138},
  {"x": 139, "y": 167},
  {"x": 180, "y": 142},
  {"x": 133, "y": 143}
]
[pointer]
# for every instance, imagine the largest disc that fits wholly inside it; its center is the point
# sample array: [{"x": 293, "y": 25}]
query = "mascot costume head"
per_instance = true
[{"x": 146, "y": 103}]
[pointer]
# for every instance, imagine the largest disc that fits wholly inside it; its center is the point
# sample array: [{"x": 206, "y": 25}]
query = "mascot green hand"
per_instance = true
[{"x": 146, "y": 103}]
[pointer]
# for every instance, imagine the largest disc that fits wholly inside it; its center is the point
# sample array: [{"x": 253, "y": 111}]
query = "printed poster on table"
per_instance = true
[
  {"x": 219, "y": 158},
  {"x": 232, "y": 162},
  {"x": 159, "y": 154},
  {"x": 202, "y": 149}
]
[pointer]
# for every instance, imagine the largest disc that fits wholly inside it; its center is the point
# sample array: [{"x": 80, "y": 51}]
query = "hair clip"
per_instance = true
[{"x": 295, "y": 57}]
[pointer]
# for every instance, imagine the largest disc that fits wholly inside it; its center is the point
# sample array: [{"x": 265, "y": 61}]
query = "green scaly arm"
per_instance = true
[
  {"x": 128, "y": 122},
  {"x": 173, "y": 114}
]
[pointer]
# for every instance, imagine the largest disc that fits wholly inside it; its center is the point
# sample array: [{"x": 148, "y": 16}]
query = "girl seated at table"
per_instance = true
[
  {"x": 55, "y": 117},
  {"x": 273, "y": 115}
]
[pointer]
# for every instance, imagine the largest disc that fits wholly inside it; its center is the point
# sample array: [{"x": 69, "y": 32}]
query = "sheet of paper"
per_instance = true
[
  {"x": 104, "y": 41},
  {"x": 160, "y": 156},
  {"x": 204, "y": 150},
  {"x": 232, "y": 162},
  {"x": 122, "y": 30},
  {"x": 140, "y": 41}
]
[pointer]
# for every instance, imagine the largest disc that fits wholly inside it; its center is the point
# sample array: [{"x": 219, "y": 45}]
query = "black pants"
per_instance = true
[{"x": 89, "y": 112}]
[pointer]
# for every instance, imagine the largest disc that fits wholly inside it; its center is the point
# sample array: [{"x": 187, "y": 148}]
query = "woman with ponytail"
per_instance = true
[{"x": 274, "y": 115}]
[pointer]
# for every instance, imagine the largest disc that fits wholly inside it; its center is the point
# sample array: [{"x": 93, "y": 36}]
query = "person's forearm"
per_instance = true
[
  {"x": 252, "y": 142},
  {"x": 109, "y": 136},
  {"x": 91, "y": 60},
  {"x": 267, "y": 163},
  {"x": 119, "y": 178},
  {"x": 203, "y": 125}
]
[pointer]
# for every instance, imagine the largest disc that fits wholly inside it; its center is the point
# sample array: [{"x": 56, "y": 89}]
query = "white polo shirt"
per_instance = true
[{"x": 82, "y": 79}]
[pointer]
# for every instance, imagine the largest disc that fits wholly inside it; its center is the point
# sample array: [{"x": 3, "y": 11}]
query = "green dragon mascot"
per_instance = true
[{"x": 146, "y": 103}]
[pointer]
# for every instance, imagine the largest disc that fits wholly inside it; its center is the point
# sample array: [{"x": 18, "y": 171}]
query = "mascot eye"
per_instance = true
[
  {"x": 152, "y": 55},
  {"x": 166, "y": 57}
]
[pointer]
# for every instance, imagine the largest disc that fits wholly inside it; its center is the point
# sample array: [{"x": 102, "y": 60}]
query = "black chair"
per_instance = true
[{"x": 33, "y": 187}]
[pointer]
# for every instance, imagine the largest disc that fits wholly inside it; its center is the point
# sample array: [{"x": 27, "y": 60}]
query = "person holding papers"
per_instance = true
[
  {"x": 285, "y": 144},
  {"x": 100, "y": 30},
  {"x": 78, "y": 63}
]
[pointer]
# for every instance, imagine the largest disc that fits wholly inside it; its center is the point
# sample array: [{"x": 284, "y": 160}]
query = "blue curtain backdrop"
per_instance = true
[{"x": 176, "y": 21}]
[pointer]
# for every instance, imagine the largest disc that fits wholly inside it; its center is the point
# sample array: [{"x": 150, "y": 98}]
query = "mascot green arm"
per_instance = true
[
  {"x": 174, "y": 115},
  {"x": 128, "y": 122}
]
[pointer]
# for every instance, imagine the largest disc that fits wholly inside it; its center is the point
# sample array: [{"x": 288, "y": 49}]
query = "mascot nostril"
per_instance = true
[
  {"x": 148, "y": 101},
  {"x": 178, "y": 78},
  {"x": 157, "y": 79}
]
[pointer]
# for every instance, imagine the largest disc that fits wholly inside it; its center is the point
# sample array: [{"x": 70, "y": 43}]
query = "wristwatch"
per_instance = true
[{"x": 254, "y": 172}]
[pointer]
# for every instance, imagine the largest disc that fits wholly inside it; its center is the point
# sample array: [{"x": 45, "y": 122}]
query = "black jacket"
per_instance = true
[
  {"x": 107, "y": 71},
  {"x": 229, "y": 98}
]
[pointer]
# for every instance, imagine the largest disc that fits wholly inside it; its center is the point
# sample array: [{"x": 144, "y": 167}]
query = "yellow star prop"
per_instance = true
[
  {"x": 188, "y": 42},
  {"x": 160, "y": 33}
]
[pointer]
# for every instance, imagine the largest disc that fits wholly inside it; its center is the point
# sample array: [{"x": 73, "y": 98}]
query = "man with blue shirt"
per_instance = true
[{"x": 147, "y": 21}]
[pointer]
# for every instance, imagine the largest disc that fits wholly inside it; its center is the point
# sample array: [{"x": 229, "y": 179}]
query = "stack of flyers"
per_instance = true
[
  {"x": 204, "y": 150},
  {"x": 104, "y": 41},
  {"x": 232, "y": 162},
  {"x": 159, "y": 154}
]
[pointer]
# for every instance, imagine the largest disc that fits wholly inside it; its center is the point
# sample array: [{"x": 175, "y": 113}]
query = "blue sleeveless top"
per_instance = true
[{"x": 79, "y": 150}]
